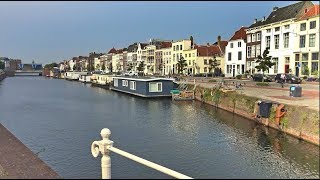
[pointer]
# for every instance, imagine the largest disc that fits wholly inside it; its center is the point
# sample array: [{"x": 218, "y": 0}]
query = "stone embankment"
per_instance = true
[
  {"x": 19, "y": 162},
  {"x": 2, "y": 75},
  {"x": 298, "y": 121}
]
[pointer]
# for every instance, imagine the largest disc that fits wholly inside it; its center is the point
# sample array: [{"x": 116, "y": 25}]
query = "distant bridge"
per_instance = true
[{"x": 28, "y": 72}]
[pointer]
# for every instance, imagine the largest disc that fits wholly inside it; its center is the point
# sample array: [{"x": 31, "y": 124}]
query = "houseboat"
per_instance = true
[
  {"x": 101, "y": 80},
  {"x": 144, "y": 86},
  {"x": 85, "y": 78},
  {"x": 74, "y": 76}
]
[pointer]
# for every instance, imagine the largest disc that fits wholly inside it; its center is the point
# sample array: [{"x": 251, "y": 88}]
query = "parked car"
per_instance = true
[
  {"x": 259, "y": 77},
  {"x": 131, "y": 73},
  {"x": 290, "y": 78}
]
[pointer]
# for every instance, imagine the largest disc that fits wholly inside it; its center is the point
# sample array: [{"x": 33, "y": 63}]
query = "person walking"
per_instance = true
[{"x": 283, "y": 79}]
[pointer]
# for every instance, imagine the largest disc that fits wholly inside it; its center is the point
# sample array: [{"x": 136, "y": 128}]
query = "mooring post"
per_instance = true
[{"x": 102, "y": 147}]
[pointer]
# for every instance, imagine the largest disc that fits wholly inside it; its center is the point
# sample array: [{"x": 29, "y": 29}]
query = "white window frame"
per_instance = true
[
  {"x": 125, "y": 83},
  {"x": 258, "y": 37},
  {"x": 115, "y": 82},
  {"x": 132, "y": 85},
  {"x": 239, "y": 44},
  {"x": 157, "y": 83},
  {"x": 249, "y": 38}
]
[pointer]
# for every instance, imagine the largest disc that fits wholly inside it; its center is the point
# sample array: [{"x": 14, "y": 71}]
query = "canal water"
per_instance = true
[{"x": 59, "y": 120}]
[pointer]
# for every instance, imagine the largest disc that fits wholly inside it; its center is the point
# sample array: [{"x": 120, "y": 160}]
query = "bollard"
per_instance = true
[{"x": 102, "y": 147}]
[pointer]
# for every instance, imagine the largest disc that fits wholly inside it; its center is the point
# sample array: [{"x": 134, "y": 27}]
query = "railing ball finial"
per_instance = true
[{"x": 105, "y": 133}]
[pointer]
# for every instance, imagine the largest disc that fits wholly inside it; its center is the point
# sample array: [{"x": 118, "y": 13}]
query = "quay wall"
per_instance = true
[{"x": 298, "y": 121}]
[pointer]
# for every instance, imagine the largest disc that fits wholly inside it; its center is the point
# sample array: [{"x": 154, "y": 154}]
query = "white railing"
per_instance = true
[{"x": 104, "y": 147}]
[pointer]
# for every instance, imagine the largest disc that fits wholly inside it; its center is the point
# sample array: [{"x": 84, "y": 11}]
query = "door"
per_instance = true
[
  {"x": 286, "y": 68},
  {"x": 297, "y": 71}
]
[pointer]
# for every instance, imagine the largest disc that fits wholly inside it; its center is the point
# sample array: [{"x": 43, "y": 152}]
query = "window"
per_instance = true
[
  {"x": 302, "y": 26},
  {"x": 249, "y": 38},
  {"x": 253, "y": 51},
  {"x": 312, "y": 38},
  {"x": 258, "y": 49},
  {"x": 115, "y": 83},
  {"x": 312, "y": 24},
  {"x": 315, "y": 56},
  {"x": 125, "y": 83},
  {"x": 205, "y": 69},
  {"x": 192, "y": 54},
  {"x": 287, "y": 60},
  {"x": 155, "y": 87},
  {"x": 304, "y": 68},
  {"x": 277, "y": 29},
  {"x": 132, "y": 85},
  {"x": 253, "y": 38},
  {"x": 286, "y": 40},
  {"x": 229, "y": 56},
  {"x": 287, "y": 26},
  {"x": 275, "y": 67},
  {"x": 239, "y": 55},
  {"x": 302, "y": 41},
  {"x": 189, "y": 54},
  {"x": 268, "y": 30},
  {"x": 174, "y": 48},
  {"x": 231, "y": 45},
  {"x": 180, "y": 47},
  {"x": 297, "y": 57},
  {"x": 249, "y": 51},
  {"x": 304, "y": 57},
  {"x": 258, "y": 37},
  {"x": 268, "y": 41},
  {"x": 189, "y": 62},
  {"x": 185, "y": 55},
  {"x": 314, "y": 66},
  {"x": 205, "y": 61},
  {"x": 276, "y": 41},
  {"x": 239, "y": 44}
]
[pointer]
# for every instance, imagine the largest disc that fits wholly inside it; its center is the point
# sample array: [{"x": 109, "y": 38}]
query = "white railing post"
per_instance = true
[{"x": 102, "y": 147}]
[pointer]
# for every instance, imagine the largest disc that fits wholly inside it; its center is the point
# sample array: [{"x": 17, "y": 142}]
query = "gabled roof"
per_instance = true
[
  {"x": 313, "y": 11},
  {"x": 211, "y": 50},
  {"x": 284, "y": 13},
  {"x": 240, "y": 34},
  {"x": 113, "y": 50}
]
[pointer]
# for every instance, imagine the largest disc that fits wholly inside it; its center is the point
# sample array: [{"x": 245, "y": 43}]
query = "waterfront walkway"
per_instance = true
[
  {"x": 309, "y": 99},
  {"x": 17, "y": 161}
]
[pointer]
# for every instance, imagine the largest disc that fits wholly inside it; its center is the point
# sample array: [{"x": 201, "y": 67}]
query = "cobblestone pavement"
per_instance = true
[{"x": 274, "y": 92}]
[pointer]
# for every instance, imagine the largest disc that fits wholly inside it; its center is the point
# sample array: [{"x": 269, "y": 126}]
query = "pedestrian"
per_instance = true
[{"x": 283, "y": 79}]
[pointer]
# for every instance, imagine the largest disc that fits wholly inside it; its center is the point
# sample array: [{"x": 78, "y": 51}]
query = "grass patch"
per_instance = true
[{"x": 262, "y": 84}]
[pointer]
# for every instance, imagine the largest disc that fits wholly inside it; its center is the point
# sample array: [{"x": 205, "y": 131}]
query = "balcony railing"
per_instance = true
[{"x": 104, "y": 147}]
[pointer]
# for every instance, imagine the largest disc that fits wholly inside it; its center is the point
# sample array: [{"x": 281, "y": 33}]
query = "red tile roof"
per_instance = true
[
  {"x": 240, "y": 34},
  {"x": 313, "y": 11},
  {"x": 212, "y": 50},
  {"x": 165, "y": 44},
  {"x": 113, "y": 50}
]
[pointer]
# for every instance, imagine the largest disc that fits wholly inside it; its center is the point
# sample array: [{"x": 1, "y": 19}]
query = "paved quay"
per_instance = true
[
  {"x": 19, "y": 162},
  {"x": 309, "y": 99}
]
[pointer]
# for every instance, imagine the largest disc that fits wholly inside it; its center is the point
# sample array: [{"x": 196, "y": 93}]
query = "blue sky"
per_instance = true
[{"x": 53, "y": 31}]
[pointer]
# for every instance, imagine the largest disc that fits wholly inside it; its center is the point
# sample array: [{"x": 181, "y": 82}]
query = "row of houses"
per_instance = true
[{"x": 291, "y": 33}]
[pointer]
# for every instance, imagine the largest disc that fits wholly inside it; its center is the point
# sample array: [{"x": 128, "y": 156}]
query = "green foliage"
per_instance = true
[
  {"x": 103, "y": 67},
  {"x": 110, "y": 67},
  {"x": 305, "y": 70},
  {"x": 2, "y": 65},
  {"x": 212, "y": 80},
  {"x": 262, "y": 84},
  {"x": 130, "y": 67},
  {"x": 239, "y": 76},
  {"x": 305, "y": 77},
  {"x": 315, "y": 73},
  {"x": 140, "y": 68},
  {"x": 213, "y": 64},
  {"x": 264, "y": 62},
  {"x": 233, "y": 97},
  {"x": 217, "y": 94},
  {"x": 181, "y": 64},
  {"x": 285, "y": 121},
  {"x": 50, "y": 66}
]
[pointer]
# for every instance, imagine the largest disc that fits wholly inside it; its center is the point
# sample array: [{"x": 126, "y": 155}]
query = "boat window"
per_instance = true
[{"x": 155, "y": 87}]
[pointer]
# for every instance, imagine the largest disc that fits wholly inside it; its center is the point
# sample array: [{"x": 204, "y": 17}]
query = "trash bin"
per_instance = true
[
  {"x": 264, "y": 109},
  {"x": 295, "y": 91}
]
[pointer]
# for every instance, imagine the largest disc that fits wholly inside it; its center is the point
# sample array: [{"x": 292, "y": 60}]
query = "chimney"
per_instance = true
[
  {"x": 255, "y": 20},
  {"x": 219, "y": 40},
  {"x": 275, "y": 8}
]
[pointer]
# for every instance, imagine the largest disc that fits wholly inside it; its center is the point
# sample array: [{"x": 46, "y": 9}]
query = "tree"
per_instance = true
[
  {"x": 182, "y": 63},
  {"x": 98, "y": 67},
  {"x": 50, "y": 66},
  {"x": 110, "y": 67},
  {"x": 140, "y": 68},
  {"x": 130, "y": 66},
  {"x": 2, "y": 65},
  {"x": 264, "y": 62},
  {"x": 103, "y": 67},
  {"x": 213, "y": 64}
]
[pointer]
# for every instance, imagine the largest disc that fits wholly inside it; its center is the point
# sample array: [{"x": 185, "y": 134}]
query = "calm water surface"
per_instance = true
[{"x": 61, "y": 119}]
